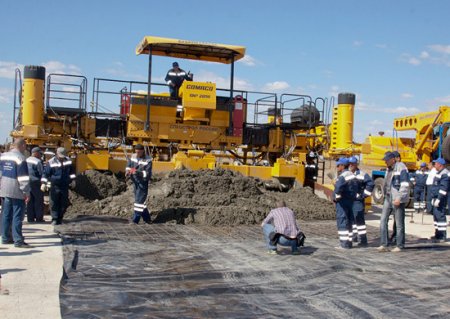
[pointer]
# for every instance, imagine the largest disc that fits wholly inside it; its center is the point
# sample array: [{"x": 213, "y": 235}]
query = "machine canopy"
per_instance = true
[{"x": 193, "y": 50}]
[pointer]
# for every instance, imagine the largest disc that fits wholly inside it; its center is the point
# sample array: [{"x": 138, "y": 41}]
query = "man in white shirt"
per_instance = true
[{"x": 431, "y": 174}]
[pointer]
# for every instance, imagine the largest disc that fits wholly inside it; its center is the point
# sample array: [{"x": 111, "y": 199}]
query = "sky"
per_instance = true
[{"x": 394, "y": 55}]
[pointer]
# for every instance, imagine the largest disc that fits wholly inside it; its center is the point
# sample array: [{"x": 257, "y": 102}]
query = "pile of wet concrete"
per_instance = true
[{"x": 210, "y": 197}]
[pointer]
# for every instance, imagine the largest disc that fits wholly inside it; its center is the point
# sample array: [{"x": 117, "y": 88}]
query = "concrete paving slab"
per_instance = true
[
  {"x": 423, "y": 226},
  {"x": 31, "y": 276}
]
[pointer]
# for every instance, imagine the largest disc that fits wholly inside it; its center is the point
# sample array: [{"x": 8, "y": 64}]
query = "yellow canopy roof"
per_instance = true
[{"x": 203, "y": 51}]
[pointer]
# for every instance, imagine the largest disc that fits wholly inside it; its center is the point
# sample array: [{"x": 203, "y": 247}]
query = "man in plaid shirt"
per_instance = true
[{"x": 281, "y": 220}]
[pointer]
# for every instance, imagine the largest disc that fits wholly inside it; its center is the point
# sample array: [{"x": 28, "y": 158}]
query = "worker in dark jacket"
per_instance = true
[
  {"x": 175, "y": 77},
  {"x": 35, "y": 206},
  {"x": 362, "y": 186},
  {"x": 59, "y": 174},
  {"x": 439, "y": 200},
  {"x": 419, "y": 180},
  {"x": 344, "y": 197},
  {"x": 139, "y": 168}
]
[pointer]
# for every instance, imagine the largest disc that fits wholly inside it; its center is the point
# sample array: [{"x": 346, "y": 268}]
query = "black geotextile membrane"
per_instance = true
[{"x": 118, "y": 270}]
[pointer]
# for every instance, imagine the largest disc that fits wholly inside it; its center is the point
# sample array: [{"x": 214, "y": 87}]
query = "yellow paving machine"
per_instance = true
[{"x": 280, "y": 138}]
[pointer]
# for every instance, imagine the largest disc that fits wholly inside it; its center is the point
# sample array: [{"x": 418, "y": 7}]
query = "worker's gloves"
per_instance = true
[
  {"x": 44, "y": 188},
  {"x": 435, "y": 202},
  {"x": 358, "y": 196}
]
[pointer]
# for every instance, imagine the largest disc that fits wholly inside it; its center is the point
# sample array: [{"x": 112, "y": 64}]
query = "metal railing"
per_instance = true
[
  {"x": 66, "y": 91},
  {"x": 17, "y": 98}
]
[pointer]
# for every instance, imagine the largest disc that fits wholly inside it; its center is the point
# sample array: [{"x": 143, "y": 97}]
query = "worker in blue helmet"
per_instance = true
[
  {"x": 439, "y": 200},
  {"x": 419, "y": 180},
  {"x": 344, "y": 197},
  {"x": 362, "y": 186}
]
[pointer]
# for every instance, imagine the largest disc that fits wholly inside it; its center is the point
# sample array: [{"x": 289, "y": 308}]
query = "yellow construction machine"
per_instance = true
[
  {"x": 431, "y": 141},
  {"x": 277, "y": 138}
]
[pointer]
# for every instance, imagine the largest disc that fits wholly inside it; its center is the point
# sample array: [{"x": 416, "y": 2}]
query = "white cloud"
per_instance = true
[
  {"x": 401, "y": 110},
  {"x": 248, "y": 60},
  {"x": 372, "y": 108},
  {"x": 376, "y": 122},
  {"x": 334, "y": 91},
  {"x": 327, "y": 73},
  {"x": 381, "y": 46},
  {"x": 414, "y": 61},
  {"x": 407, "y": 95},
  {"x": 440, "y": 48},
  {"x": 276, "y": 86},
  {"x": 442, "y": 100},
  {"x": 61, "y": 68},
  {"x": 435, "y": 53},
  {"x": 221, "y": 82},
  {"x": 8, "y": 69},
  {"x": 357, "y": 43},
  {"x": 424, "y": 55},
  {"x": 120, "y": 72},
  {"x": 6, "y": 95},
  {"x": 361, "y": 106}
]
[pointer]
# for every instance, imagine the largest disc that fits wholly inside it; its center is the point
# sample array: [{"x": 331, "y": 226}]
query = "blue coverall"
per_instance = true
[
  {"x": 362, "y": 186},
  {"x": 344, "y": 197},
  {"x": 439, "y": 202},
  {"x": 141, "y": 173}
]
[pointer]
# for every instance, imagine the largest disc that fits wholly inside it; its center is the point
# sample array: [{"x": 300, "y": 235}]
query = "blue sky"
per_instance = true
[{"x": 394, "y": 55}]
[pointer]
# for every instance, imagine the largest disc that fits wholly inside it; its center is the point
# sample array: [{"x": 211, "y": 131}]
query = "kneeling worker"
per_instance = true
[
  {"x": 139, "y": 168},
  {"x": 284, "y": 230}
]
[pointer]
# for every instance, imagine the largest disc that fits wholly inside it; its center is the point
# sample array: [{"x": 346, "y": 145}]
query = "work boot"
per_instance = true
[
  {"x": 397, "y": 250},
  {"x": 435, "y": 240},
  {"x": 383, "y": 249},
  {"x": 22, "y": 245}
]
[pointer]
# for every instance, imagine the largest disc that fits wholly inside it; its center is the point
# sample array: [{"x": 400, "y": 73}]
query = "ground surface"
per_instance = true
[{"x": 201, "y": 271}]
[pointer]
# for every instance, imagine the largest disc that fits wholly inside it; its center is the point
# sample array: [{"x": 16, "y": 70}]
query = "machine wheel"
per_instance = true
[
  {"x": 446, "y": 148},
  {"x": 378, "y": 194}
]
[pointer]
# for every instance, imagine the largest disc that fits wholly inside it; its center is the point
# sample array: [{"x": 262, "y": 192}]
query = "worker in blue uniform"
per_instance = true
[
  {"x": 35, "y": 206},
  {"x": 362, "y": 186},
  {"x": 344, "y": 197},
  {"x": 419, "y": 180},
  {"x": 59, "y": 175},
  {"x": 139, "y": 169},
  {"x": 439, "y": 200}
]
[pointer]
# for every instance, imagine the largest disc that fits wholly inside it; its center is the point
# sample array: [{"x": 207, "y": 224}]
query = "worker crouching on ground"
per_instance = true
[
  {"x": 35, "y": 206},
  {"x": 139, "y": 168},
  {"x": 419, "y": 181},
  {"x": 439, "y": 200},
  {"x": 59, "y": 175},
  {"x": 362, "y": 186},
  {"x": 396, "y": 190},
  {"x": 280, "y": 228},
  {"x": 344, "y": 196}
]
